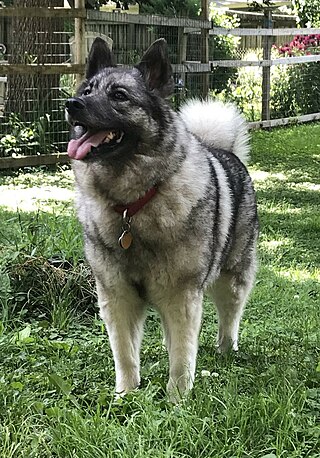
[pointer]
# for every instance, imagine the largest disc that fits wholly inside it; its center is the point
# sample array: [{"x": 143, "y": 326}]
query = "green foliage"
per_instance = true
[
  {"x": 260, "y": 5},
  {"x": 244, "y": 89},
  {"x": 295, "y": 88},
  {"x": 308, "y": 12},
  {"x": 187, "y": 8},
  {"x": 24, "y": 137},
  {"x": 222, "y": 47}
]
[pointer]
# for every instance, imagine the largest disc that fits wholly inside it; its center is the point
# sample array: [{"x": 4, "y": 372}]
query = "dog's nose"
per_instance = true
[{"x": 74, "y": 104}]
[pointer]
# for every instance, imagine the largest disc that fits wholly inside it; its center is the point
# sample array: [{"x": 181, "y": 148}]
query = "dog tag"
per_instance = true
[{"x": 125, "y": 240}]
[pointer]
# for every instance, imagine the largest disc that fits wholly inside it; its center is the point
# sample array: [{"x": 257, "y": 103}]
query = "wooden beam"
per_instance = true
[
  {"x": 296, "y": 60},
  {"x": 284, "y": 121},
  {"x": 33, "y": 161},
  {"x": 43, "y": 69},
  {"x": 264, "y": 63},
  {"x": 191, "y": 67},
  {"x": 80, "y": 41},
  {"x": 204, "y": 52},
  {"x": 263, "y": 31},
  {"x": 46, "y": 12},
  {"x": 266, "y": 70}
]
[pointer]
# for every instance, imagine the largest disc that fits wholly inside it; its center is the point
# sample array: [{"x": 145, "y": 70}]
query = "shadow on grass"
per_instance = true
[
  {"x": 290, "y": 218},
  {"x": 283, "y": 151},
  {"x": 281, "y": 193}
]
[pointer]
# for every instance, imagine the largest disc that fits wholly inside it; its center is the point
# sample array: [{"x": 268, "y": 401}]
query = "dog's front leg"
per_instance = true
[
  {"x": 123, "y": 313},
  {"x": 181, "y": 320}
]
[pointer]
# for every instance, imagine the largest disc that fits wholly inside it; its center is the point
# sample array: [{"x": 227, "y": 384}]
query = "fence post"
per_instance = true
[
  {"x": 205, "y": 47},
  {"x": 80, "y": 40},
  {"x": 266, "y": 71},
  {"x": 181, "y": 59}
]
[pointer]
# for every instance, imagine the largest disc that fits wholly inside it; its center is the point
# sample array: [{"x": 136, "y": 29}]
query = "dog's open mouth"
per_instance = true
[{"x": 94, "y": 141}]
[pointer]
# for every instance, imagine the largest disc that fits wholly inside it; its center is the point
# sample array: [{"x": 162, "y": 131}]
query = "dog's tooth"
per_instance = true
[
  {"x": 120, "y": 138},
  {"x": 113, "y": 135}
]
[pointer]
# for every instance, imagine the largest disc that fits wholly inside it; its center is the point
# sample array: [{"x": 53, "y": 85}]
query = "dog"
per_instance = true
[{"x": 167, "y": 207}]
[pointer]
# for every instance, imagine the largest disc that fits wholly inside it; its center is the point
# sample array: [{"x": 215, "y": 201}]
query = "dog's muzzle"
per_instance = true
[{"x": 74, "y": 105}]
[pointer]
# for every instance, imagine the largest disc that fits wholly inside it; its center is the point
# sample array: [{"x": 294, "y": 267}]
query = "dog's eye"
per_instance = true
[
  {"x": 119, "y": 95},
  {"x": 87, "y": 91}
]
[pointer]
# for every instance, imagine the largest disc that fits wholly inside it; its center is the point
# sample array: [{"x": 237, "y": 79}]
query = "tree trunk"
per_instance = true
[{"x": 33, "y": 40}]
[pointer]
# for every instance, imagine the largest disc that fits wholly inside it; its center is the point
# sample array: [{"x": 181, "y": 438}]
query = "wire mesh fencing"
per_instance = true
[
  {"x": 31, "y": 101},
  {"x": 207, "y": 61}
]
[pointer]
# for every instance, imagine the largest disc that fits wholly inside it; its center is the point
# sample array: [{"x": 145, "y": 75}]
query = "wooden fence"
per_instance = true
[{"x": 132, "y": 34}]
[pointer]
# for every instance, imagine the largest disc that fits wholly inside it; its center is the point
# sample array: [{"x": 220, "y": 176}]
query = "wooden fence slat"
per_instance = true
[
  {"x": 284, "y": 121},
  {"x": 296, "y": 60},
  {"x": 263, "y": 31},
  {"x": 80, "y": 41},
  {"x": 266, "y": 70},
  {"x": 265, "y": 63},
  {"x": 191, "y": 67}
]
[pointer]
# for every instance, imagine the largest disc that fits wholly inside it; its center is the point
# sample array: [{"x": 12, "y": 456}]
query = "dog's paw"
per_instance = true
[
  {"x": 177, "y": 390},
  {"x": 126, "y": 384},
  {"x": 118, "y": 395},
  {"x": 226, "y": 345}
]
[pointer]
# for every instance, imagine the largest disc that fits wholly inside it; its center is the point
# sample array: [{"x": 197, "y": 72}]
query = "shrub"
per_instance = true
[
  {"x": 24, "y": 137},
  {"x": 245, "y": 89},
  {"x": 222, "y": 47},
  {"x": 295, "y": 88},
  {"x": 300, "y": 45}
]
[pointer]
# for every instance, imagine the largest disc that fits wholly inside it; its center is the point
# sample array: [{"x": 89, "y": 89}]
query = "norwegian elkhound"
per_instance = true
[{"x": 167, "y": 207}]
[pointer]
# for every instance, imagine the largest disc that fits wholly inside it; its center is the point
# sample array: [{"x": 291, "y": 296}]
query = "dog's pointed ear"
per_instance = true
[
  {"x": 156, "y": 68},
  {"x": 100, "y": 57}
]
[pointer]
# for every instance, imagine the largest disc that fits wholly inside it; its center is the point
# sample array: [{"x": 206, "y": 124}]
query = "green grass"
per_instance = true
[{"x": 56, "y": 369}]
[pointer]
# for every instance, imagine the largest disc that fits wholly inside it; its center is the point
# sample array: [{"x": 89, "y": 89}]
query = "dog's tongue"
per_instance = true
[{"x": 78, "y": 149}]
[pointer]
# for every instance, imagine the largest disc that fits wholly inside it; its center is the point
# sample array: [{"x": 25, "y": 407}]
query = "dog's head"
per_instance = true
[{"x": 116, "y": 108}]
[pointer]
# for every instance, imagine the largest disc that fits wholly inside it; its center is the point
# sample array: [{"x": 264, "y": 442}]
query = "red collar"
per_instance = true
[{"x": 134, "y": 207}]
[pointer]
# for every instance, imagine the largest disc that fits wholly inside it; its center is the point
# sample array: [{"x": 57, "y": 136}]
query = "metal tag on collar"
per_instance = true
[{"x": 125, "y": 238}]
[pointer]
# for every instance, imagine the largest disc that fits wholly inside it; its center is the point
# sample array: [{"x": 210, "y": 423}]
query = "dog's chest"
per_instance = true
[
  {"x": 155, "y": 258},
  {"x": 163, "y": 253}
]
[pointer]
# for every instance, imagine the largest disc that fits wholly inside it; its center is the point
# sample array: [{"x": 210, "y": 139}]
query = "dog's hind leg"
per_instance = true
[
  {"x": 181, "y": 319},
  {"x": 123, "y": 312},
  {"x": 230, "y": 293}
]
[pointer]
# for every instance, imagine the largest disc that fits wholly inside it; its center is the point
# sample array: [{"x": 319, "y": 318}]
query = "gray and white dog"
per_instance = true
[{"x": 167, "y": 207}]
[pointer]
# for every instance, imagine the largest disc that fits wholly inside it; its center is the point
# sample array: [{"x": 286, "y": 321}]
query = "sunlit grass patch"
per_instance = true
[{"x": 40, "y": 190}]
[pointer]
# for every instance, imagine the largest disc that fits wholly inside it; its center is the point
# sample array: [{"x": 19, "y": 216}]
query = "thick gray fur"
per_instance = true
[{"x": 197, "y": 234}]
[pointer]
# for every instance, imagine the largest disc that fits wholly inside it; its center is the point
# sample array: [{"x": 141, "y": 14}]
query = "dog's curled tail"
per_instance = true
[{"x": 218, "y": 125}]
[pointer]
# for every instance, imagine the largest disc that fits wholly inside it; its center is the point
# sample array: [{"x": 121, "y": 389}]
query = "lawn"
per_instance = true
[{"x": 56, "y": 369}]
